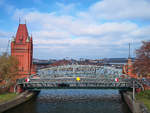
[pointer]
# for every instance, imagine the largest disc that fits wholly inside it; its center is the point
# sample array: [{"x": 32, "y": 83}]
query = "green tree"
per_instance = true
[
  {"x": 8, "y": 69},
  {"x": 141, "y": 65}
]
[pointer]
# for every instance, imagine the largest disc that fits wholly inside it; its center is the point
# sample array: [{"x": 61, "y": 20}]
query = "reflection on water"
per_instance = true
[
  {"x": 74, "y": 101},
  {"x": 62, "y": 95}
]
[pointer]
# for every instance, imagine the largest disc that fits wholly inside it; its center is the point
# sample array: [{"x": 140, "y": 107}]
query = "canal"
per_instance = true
[{"x": 74, "y": 101}]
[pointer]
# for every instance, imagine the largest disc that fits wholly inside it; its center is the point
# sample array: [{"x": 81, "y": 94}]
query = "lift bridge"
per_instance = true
[{"x": 79, "y": 76}]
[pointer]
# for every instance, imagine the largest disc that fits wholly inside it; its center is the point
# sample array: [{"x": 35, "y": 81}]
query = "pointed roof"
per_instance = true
[
  {"x": 22, "y": 33},
  {"x": 31, "y": 38}
]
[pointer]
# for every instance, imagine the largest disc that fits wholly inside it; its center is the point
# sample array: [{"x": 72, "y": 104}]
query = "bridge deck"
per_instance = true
[{"x": 73, "y": 83}]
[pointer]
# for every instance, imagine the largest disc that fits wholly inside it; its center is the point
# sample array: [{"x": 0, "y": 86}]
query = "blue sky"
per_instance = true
[{"x": 78, "y": 28}]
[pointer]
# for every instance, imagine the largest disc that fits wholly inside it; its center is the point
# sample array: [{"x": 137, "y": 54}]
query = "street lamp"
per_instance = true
[{"x": 133, "y": 94}]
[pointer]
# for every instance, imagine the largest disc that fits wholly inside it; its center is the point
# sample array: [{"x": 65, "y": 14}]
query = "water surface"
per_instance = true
[{"x": 74, "y": 101}]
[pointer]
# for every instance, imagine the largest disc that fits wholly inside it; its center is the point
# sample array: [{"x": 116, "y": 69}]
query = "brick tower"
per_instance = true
[
  {"x": 128, "y": 68},
  {"x": 22, "y": 49}
]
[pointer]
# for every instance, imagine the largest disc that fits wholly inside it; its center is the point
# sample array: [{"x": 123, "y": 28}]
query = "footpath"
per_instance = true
[
  {"x": 21, "y": 98},
  {"x": 134, "y": 106}
]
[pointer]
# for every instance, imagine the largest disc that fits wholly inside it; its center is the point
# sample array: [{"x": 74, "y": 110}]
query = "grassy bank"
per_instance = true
[
  {"x": 144, "y": 97},
  {"x": 7, "y": 96}
]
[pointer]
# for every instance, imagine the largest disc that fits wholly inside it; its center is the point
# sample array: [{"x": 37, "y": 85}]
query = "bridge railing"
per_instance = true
[
  {"x": 72, "y": 82},
  {"x": 23, "y": 80}
]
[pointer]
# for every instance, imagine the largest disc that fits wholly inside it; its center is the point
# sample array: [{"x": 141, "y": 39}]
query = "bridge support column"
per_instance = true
[
  {"x": 19, "y": 89},
  {"x": 11, "y": 89},
  {"x": 138, "y": 90}
]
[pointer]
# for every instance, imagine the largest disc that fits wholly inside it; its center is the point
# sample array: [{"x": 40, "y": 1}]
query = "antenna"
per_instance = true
[
  {"x": 19, "y": 20},
  {"x": 129, "y": 52},
  {"x": 7, "y": 48},
  {"x": 25, "y": 21}
]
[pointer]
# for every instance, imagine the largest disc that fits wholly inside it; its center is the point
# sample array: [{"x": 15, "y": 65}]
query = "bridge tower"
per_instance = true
[{"x": 22, "y": 49}]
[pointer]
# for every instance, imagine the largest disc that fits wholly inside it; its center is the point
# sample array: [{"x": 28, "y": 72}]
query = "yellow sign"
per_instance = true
[{"x": 78, "y": 79}]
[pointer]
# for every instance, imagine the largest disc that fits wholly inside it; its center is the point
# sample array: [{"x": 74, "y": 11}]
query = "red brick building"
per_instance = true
[
  {"x": 22, "y": 49},
  {"x": 128, "y": 69}
]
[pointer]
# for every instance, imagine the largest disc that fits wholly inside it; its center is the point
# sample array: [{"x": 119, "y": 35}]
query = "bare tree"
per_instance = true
[
  {"x": 8, "y": 69},
  {"x": 141, "y": 65}
]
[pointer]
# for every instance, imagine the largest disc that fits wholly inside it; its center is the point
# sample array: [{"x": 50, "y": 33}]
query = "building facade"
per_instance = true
[{"x": 22, "y": 49}]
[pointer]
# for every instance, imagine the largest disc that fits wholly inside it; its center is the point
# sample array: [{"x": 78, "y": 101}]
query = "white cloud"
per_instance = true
[
  {"x": 119, "y": 9},
  {"x": 142, "y": 32},
  {"x": 4, "y": 34},
  {"x": 49, "y": 34},
  {"x": 83, "y": 34},
  {"x": 5, "y": 38},
  {"x": 102, "y": 29}
]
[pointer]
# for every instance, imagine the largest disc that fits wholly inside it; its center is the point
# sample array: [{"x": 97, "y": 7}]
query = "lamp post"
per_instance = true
[{"x": 133, "y": 95}]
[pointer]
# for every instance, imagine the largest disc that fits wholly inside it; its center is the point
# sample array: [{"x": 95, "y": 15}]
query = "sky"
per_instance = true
[{"x": 90, "y": 29}]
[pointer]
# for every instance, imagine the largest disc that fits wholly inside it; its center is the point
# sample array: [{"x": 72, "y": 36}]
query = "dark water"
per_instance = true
[{"x": 74, "y": 101}]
